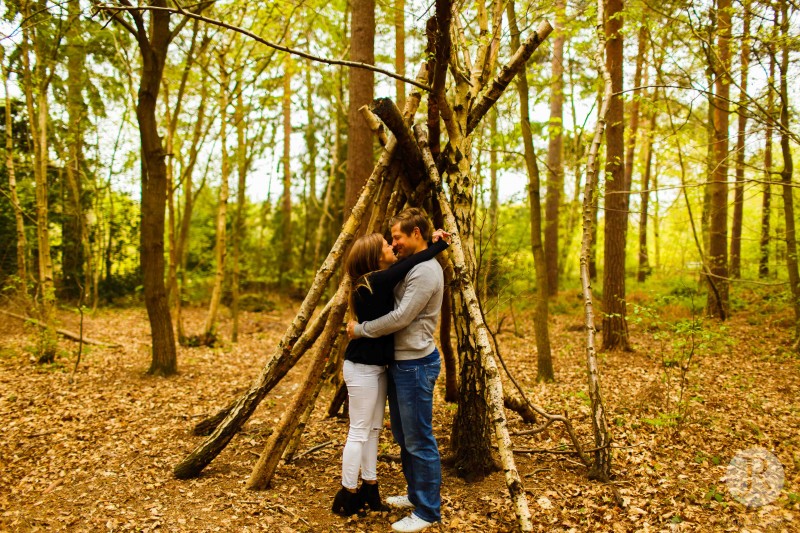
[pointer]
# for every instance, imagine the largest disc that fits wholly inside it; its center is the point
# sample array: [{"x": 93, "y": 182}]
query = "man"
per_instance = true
[{"x": 412, "y": 375}]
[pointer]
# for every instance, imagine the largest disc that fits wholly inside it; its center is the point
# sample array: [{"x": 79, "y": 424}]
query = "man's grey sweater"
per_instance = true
[{"x": 418, "y": 301}]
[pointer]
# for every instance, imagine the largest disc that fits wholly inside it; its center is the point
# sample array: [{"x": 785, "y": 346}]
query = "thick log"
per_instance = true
[
  {"x": 63, "y": 332},
  {"x": 385, "y": 109},
  {"x": 305, "y": 397},
  {"x": 306, "y": 340},
  {"x": 493, "y": 385}
]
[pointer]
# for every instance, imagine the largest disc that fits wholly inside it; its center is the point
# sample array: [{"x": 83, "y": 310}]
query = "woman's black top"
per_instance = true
[{"x": 371, "y": 305}]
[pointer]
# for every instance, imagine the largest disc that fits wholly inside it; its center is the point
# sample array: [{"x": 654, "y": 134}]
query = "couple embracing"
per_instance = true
[{"x": 392, "y": 353}]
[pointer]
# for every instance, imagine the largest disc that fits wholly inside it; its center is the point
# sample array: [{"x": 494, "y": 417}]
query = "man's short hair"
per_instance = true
[{"x": 412, "y": 218}]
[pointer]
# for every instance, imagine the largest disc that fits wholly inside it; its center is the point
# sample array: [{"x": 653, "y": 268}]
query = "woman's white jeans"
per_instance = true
[{"x": 366, "y": 391}]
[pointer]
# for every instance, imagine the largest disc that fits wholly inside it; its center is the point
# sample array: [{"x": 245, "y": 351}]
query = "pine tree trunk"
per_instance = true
[
  {"x": 615, "y": 324},
  {"x": 555, "y": 151},
  {"x": 400, "y": 51},
  {"x": 717, "y": 302},
  {"x": 359, "y": 137},
  {"x": 738, "y": 201}
]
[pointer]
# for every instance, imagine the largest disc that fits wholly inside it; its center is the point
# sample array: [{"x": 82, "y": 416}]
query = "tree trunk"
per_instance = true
[
  {"x": 786, "y": 175},
  {"x": 285, "y": 261},
  {"x": 36, "y": 84},
  {"x": 601, "y": 468},
  {"x": 555, "y": 150},
  {"x": 361, "y": 89},
  {"x": 615, "y": 324},
  {"x": 400, "y": 51},
  {"x": 238, "y": 226},
  {"x": 488, "y": 262},
  {"x": 22, "y": 242},
  {"x": 718, "y": 223},
  {"x": 644, "y": 259},
  {"x": 480, "y": 343},
  {"x": 766, "y": 198},
  {"x": 738, "y": 200},
  {"x": 154, "y": 195},
  {"x": 209, "y": 334},
  {"x": 544, "y": 359}
]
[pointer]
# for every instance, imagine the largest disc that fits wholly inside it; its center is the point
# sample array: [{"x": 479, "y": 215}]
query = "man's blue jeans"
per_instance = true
[{"x": 411, "y": 409}]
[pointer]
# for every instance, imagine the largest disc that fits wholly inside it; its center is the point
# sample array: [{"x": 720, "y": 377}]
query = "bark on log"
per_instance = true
[
  {"x": 494, "y": 386},
  {"x": 278, "y": 441},
  {"x": 306, "y": 340},
  {"x": 385, "y": 109},
  {"x": 374, "y": 124},
  {"x": 63, "y": 332}
]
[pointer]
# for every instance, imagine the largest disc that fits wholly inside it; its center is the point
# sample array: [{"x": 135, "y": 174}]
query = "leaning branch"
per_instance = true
[
  {"x": 276, "y": 46},
  {"x": 63, "y": 332}
]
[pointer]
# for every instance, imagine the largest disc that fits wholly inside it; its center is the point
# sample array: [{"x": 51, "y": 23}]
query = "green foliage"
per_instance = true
[{"x": 714, "y": 494}]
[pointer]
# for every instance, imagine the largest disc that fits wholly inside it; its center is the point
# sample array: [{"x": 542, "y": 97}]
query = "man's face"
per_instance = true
[{"x": 405, "y": 245}]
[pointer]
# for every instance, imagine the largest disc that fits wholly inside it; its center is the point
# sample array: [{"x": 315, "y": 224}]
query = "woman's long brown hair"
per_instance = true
[{"x": 364, "y": 258}]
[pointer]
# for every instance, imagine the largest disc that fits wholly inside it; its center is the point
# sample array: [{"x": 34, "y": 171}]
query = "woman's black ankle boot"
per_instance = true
[
  {"x": 347, "y": 503},
  {"x": 370, "y": 494}
]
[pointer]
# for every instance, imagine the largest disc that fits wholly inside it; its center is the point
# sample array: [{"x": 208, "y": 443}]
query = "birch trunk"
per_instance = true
[
  {"x": 601, "y": 468},
  {"x": 481, "y": 343}
]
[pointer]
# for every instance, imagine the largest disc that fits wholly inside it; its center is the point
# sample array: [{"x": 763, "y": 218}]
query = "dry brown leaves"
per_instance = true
[{"x": 98, "y": 454}]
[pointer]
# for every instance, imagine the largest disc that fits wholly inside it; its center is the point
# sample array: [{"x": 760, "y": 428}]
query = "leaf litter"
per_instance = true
[{"x": 97, "y": 454}]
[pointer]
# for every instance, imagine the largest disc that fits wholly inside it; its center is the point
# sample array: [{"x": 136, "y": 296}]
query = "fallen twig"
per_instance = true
[{"x": 63, "y": 332}]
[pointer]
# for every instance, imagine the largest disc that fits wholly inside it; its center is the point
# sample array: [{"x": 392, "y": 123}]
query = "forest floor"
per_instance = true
[{"x": 97, "y": 454}]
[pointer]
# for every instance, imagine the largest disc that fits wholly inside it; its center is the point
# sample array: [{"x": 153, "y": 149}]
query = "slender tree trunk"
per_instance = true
[
  {"x": 718, "y": 223},
  {"x": 208, "y": 337},
  {"x": 544, "y": 359},
  {"x": 285, "y": 262},
  {"x": 786, "y": 175},
  {"x": 488, "y": 264},
  {"x": 75, "y": 272},
  {"x": 238, "y": 226},
  {"x": 615, "y": 324},
  {"x": 359, "y": 137},
  {"x": 555, "y": 151},
  {"x": 36, "y": 81},
  {"x": 635, "y": 103},
  {"x": 644, "y": 258},
  {"x": 766, "y": 198},
  {"x": 22, "y": 242},
  {"x": 601, "y": 468},
  {"x": 738, "y": 201},
  {"x": 400, "y": 50}
]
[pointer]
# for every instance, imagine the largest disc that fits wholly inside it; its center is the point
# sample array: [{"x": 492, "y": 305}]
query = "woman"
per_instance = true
[{"x": 374, "y": 271}]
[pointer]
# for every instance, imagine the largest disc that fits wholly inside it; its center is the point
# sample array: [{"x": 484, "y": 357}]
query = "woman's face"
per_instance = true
[{"x": 387, "y": 256}]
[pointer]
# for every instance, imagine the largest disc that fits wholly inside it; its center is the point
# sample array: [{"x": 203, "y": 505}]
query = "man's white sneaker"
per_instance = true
[
  {"x": 410, "y": 524},
  {"x": 400, "y": 502}
]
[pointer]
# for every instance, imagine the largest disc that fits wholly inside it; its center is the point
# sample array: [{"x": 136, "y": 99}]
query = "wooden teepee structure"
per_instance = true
[{"x": 408, "y": 172}]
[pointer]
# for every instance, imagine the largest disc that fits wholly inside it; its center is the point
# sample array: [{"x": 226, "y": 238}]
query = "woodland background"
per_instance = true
[{"x": 162, "y": 162}]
